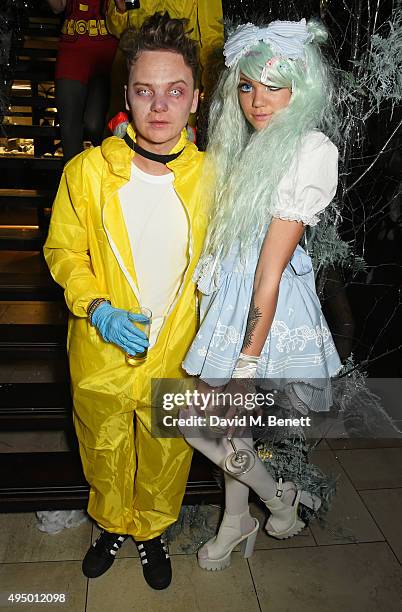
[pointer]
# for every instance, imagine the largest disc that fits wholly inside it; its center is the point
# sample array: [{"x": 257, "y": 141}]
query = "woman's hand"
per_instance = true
[{"x": 278, "y": 247}]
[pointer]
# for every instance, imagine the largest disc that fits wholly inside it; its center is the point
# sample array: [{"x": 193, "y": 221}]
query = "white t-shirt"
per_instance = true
[{"x": 158, "y": 231}]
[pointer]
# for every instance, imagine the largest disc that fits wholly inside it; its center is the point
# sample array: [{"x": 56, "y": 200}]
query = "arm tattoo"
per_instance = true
[{"x": 253, "y": 315}]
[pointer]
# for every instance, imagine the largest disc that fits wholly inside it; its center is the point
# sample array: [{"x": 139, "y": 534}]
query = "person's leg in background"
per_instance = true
[
  {"x": 96, "y": 107},
  {"x": 118, "y": 79},
  {"x": 71, "y": 98}
]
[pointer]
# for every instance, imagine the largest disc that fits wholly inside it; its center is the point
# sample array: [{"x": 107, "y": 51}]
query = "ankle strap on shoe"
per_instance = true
[{"x": 279, "y": 488}]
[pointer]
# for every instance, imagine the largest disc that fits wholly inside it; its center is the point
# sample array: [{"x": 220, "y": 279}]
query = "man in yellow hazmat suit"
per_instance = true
[
  {"x": 127, "y": 227},
  {"x": 205, "y": 19}
]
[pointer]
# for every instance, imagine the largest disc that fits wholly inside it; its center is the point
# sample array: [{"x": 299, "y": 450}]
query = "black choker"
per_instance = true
[{"x": 162, "y": 159}]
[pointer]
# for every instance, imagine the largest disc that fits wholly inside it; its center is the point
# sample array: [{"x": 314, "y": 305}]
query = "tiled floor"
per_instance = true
[{"x": 353, "y": 564}]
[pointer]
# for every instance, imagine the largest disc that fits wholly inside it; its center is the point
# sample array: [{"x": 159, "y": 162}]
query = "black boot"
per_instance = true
[
  {"x": 155, "y": 561},
  {"x": 101, "y": 554}
]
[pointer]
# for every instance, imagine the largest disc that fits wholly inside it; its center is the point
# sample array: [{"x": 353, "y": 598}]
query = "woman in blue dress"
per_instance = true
[{"x": 275, "y": 171}]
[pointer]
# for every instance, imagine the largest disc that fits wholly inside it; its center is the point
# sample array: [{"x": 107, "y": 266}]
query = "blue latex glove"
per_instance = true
[{"x": 116, "y": 325}]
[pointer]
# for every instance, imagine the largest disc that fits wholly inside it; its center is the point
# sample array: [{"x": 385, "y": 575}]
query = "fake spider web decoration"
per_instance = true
[
  {"x": 355, "y": 250},
  {"x": 367, "y": 263}
]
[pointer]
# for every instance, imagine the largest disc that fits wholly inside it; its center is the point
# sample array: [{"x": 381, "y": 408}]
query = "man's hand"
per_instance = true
[
  {"x": 120, "y": 5},
  {"x": 116, "y": 325}
]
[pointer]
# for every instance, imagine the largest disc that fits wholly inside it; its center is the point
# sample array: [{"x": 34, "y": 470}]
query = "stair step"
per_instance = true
[
  {"x": 37, "y": 369},
  {"x": 34, "y": 102},
  {"x": 24, "y": 276},
  {"x": 44, "y": 75},
  {"x": 34, "y": 75},
  {"x": 21, "y": 239},
  {"x": 32, "y": 340},
  {"x": 34, "y": 64},
  {"x": 45, "y": 114},
  {"x": 28, "y": 171},
  {"x": 19, "y": 216},
  {"x": 29, "y": 162},
  {"x": 201, "y": 486},
  {"x": 43, "y": 13},
  {"x": 32, "y": 328},
  {"x": 41, "y": 42},
  {"x": 55, "y": 481},
  {"x": 30, "y": 131},
  {"x": 27, "y": 287},
  {"x": 36, "y": 198},
  {"x": 41, "y": 29},
  {"x": 34, "y": 69},
  {"x": 37, "y": 52},
  {"x": 35, "y": 406},
  {"x": 33, "y": 314},
  {"x": 42, "y": 481}
]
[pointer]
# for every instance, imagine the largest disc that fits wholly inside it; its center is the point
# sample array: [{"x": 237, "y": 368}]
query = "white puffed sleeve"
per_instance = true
[{"x": 311, "y": 182}]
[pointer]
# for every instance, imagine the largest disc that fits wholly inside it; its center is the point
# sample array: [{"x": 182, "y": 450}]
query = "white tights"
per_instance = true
[{"x": 236, "y": 485}]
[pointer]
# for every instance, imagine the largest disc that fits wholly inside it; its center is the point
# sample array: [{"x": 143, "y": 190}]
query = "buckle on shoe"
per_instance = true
[{"x": 279, "y": 488}]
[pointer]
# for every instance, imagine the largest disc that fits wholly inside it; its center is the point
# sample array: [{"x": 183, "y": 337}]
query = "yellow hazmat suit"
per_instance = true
[
  {"x": 205, "y": 19},
  {"x": 137, "y": 481}
]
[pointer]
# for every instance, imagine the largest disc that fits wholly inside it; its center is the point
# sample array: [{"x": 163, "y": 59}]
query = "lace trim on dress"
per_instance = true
[
  {"x": 295, "y": 216},
  {"x": 207, "y": 274}
]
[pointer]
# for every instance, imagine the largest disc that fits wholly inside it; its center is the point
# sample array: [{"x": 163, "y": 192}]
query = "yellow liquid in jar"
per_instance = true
[{"x": 137, "y": 359}]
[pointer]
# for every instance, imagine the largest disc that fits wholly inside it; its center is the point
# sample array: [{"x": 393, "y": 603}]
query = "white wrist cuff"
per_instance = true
[{"x": 246, "y": 366}]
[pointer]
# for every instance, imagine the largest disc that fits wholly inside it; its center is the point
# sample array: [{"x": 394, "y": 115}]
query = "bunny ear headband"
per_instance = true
[{"x": 287, "y": 38}]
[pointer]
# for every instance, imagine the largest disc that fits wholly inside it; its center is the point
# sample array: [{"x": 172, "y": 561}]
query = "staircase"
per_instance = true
[{"x": 35, "y": 402}]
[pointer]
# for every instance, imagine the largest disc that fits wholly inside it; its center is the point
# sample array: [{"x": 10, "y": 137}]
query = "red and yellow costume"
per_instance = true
[{"x": 86, "y": 47}]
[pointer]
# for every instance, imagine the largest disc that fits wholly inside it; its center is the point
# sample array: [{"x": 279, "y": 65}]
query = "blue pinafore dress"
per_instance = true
[{"x": 299, "y": 349}]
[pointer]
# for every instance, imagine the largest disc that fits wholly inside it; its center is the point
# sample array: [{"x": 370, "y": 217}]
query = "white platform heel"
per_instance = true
[
  {"x": 215, "y": 554},
  {"x": 284, "y": 521}
]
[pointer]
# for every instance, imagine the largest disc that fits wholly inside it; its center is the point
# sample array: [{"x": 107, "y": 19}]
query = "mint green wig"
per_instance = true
[{"x": 248, "y": 165}]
